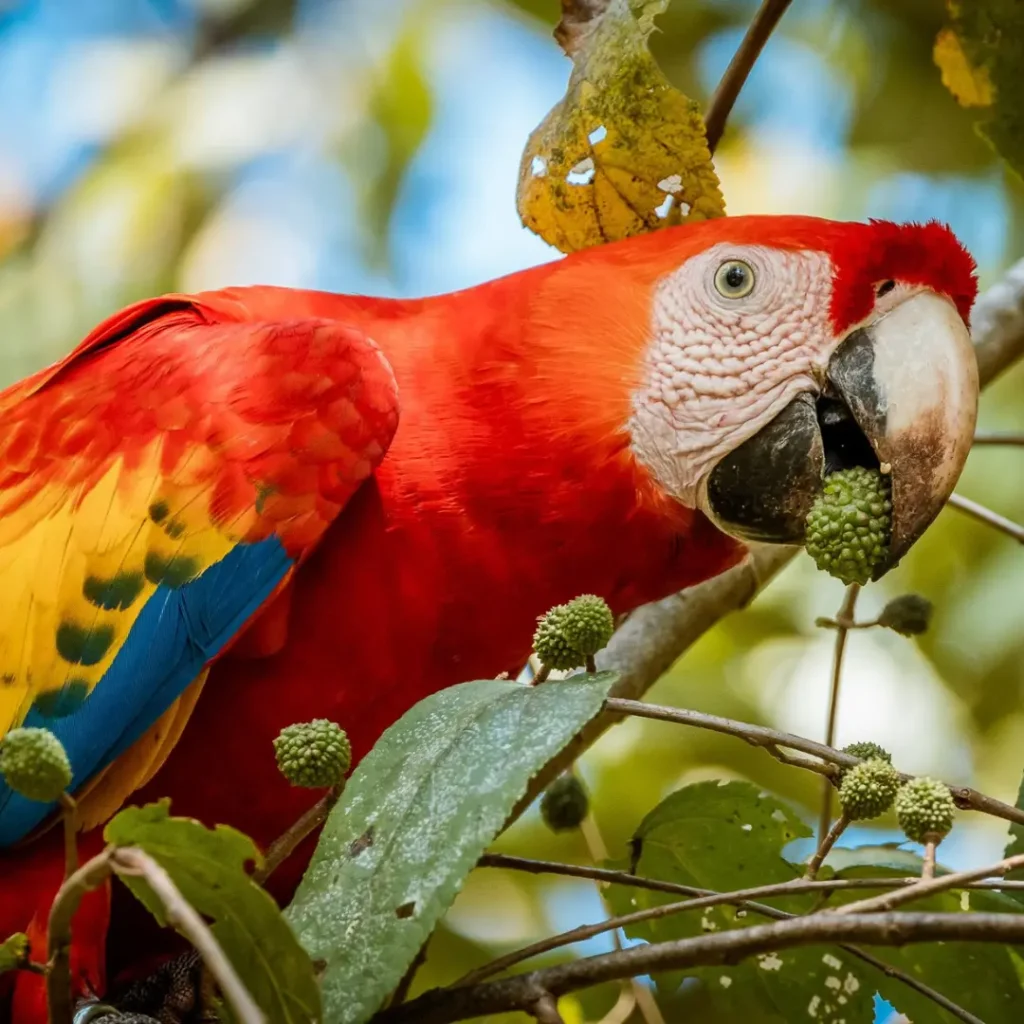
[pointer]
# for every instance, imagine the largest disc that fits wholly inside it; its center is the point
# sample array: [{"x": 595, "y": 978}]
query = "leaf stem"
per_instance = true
[
  {"x": 844, "y": 619},
  {"x": 928, "y": 867},
  {"x": 285, "y": 845},
  {"x": 739, "y": 68}
]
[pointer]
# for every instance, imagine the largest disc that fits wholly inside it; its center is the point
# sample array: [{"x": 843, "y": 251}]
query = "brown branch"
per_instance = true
[
  {"x": 182, "y": 916},
  {"x": 985, "y": 438},
  {"x": 987, "y": 516},
  {"x": 741, "y": 898},
  {"x": 966, "y": 799},
  {"x": 522, "y": 991},
  {"x": 739, "y": 68},
  {"x": 931, "y": 886},
  {"x": 843, "y": 621}
]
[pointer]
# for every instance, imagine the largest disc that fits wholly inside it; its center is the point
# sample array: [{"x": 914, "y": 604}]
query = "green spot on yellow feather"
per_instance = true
[
  {"x": 172, "y": 572},
  {"x": 62, "y": 702},
  {"x": 159, "y": 511},
  {"x": 174, "y": 528},
  {"x": 117, "y": 592},
  {"x": 81, "y": 645}
]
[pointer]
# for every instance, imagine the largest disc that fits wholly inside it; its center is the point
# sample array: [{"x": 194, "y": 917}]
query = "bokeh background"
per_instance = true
[{"x": 373, "y": 146}]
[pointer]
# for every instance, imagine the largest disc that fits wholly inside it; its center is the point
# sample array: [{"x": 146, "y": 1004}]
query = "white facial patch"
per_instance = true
[{"x": 720, "y": 368}]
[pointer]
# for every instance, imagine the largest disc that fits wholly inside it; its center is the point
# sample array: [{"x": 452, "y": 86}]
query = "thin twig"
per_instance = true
[
  {"x": 182, "y": 916},
  {"x": 931, "y": 886},
  {"x": 739, "y": 68},
  {"x": 88, "y": 877},
  {"x": 966, "y": 799},
  {"x": 984, "y": 438},
  {"x": 807, "y": 763},
  {"x": 824, "y": 847},
  {"x": 522, "y": 991},
  {"x": 792, "y": 888},
  {"x": 843, "y": 621},
  {"x": 987, "y": 516},
  {"x": 285, "y": 845},
  {"x": 928, "y": 865},
  {"x": 69, "y": 816}
]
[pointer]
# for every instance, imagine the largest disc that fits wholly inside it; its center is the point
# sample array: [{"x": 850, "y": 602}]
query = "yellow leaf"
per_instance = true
[
  {"x": 971, "y": 86},
  {"x": 624, "y": 152},
  {"x": 981, "y": 55}
]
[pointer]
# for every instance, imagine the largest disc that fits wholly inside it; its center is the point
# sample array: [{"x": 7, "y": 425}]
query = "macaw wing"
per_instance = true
[{"x": 156, "y": 488}]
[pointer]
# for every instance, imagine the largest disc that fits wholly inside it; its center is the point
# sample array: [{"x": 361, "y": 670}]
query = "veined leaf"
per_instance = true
[{"x": 415, "y": 817}]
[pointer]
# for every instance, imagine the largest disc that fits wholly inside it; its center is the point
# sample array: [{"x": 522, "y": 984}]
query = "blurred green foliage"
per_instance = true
[{"x": 140, "y": 218}]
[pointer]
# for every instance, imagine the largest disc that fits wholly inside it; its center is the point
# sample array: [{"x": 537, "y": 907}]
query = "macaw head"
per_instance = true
[{"x": 780, "y": 349}]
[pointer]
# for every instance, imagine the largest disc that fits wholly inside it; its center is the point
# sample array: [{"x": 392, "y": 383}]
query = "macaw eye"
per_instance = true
[{"x": 734, "y": 279}]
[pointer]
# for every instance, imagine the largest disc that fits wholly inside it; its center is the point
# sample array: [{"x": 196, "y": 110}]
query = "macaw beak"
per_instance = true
[{"x": 900, "y": 394}]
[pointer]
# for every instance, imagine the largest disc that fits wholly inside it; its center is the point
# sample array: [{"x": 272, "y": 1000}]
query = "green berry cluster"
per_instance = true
[
  {"x": 314, "y": 755},
  {"x": 925, "y": 810},
  {"x": 34, "y": 763},
  {"x": 570, "y": 633},
  {"x": 867, "y": 751},
  {"x": 564, "y": 804},
  {"x": 868, "y": 789},
  {"x": 849, "y": 524}
]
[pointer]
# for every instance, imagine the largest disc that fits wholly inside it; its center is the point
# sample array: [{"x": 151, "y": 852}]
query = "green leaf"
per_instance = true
[
  {"x": 981, "y": 977},
  {"x": 624, "y": 152},
  {"x": 726, "y": 836},
  {"x": 13, "y": 952},
  {"x": 209, "y": 868},
  {"x": 415, "y": 817},
  {"x": 980, "y": 56}
]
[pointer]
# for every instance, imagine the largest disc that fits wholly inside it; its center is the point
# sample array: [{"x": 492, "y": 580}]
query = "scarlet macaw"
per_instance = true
[{"x": 214, "y": 522}]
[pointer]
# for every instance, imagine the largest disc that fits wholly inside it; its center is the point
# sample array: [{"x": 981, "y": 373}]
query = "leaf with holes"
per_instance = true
[
  {"x": 980, "y": 55},
  {"x": 415, "y": 817},
  {"x": 727, "y": 836},
  {"x": 209, "y": 868},
  {"x": 624, "y": 152}
]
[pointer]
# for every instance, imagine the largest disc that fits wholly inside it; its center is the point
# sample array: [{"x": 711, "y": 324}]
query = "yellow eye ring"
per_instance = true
[{"x": 734, "y": 279}]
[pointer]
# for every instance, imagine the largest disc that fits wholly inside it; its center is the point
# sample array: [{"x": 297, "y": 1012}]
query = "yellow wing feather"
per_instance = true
[{"x": 78, "y": 569}]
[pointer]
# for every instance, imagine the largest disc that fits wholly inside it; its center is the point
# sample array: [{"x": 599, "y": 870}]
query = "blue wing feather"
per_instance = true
[{"x": 176, "y": 634}]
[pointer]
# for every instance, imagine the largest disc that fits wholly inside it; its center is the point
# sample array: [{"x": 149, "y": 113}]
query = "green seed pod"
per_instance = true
[
  {"x": 867, "y": 751},
  {"x": 908, "y": 614},
  {"x": 564, "y": 804},
  {"x": 849, "y": 524},
  {"x": 925, "y": 810},
  {"x": 35, "y": 764},
  {"x": 314, "y": 755},
  {"x": 588, "y": 624},
  {"x": 868, "y": 789},
  {"x": 550, "y": 642}
]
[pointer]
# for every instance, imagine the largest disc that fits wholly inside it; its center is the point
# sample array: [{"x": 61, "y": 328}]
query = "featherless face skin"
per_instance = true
[{"x": 771, "y": 366}]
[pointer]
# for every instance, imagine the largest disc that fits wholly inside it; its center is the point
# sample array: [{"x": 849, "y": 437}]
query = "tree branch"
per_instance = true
[
  {"x": 522, "y": 991},
  {"x": 763, "y": 736},
  {"x": 987, "y": 516},
  {"x": 742, "y": 898},
  {"x": 931, "y": 886},
  {"x": 740, "y": 67}
]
